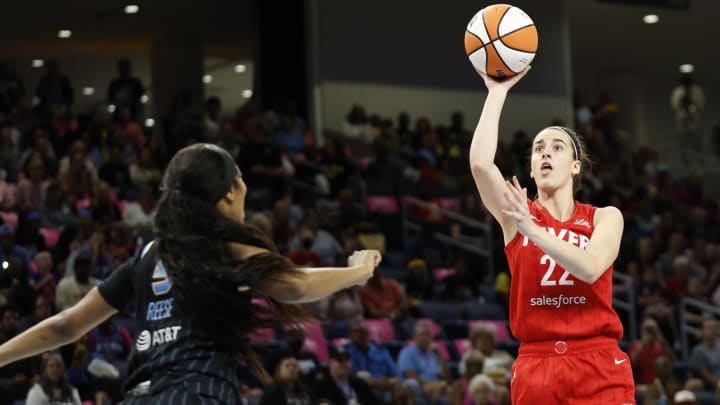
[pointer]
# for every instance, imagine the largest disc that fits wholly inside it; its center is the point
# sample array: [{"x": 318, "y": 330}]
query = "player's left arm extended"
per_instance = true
[{"x": 602, "y": 250}]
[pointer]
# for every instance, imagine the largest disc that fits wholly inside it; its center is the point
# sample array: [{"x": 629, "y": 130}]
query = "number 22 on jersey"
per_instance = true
[{"x": 547, "y": 278}]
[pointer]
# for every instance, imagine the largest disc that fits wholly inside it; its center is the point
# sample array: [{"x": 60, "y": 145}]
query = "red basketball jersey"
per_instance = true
[{"x": 547, "y": 302}]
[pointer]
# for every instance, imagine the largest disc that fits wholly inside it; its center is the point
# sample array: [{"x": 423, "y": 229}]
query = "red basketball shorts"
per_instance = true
[{"x": 588, "y": 371}]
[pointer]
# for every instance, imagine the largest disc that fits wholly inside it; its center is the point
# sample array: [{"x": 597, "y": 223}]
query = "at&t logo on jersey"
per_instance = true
[{"x": 147, "y": 339}]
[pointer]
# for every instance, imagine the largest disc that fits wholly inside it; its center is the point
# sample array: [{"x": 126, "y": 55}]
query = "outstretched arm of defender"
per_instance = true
[{"x": 58, "y": 330}]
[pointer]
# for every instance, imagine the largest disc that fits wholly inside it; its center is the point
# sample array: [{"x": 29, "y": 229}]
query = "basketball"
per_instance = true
[{"x": 501, "y": 40}]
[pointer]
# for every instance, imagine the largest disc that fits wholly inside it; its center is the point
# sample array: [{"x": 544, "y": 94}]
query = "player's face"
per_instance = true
[{"x": 553, "y": 163}]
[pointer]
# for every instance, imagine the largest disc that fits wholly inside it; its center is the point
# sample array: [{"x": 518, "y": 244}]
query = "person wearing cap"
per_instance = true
[
  {"x": 339, "y": 386},
  {"x": 192, "y": 289}
]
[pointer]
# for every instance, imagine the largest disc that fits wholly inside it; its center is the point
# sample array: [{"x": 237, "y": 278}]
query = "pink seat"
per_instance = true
[
  {"x": 380, "y": 204},
  {"x": 435, "y": 329},
  {"x": 263, "y": 335},
  {"x": 380, "y": 330},
  {"x": 442, "y": 273},
  {"x": 450, "y": 204},
  {"x": 82, "y": 203},
  {"x": 10, "y": 218},
  {"x": 315, "y": 341},
  {"x": 51, "y": 236},
  {"x": 462, "y": 346},
  {"x": 317, "y": 346},
  {"x": 502, "y": 334},
  {"x": 340, "y": 342}
]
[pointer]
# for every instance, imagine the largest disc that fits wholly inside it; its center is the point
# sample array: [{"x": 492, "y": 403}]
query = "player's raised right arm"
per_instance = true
[{"x": 488, "y": 179}]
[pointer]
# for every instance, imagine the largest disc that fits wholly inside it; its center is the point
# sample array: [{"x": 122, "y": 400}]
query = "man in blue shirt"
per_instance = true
[
  {"x": 370, "y": 361},
  {"x": 421, "y": 362},
  {"x": 9, "y": 248}
]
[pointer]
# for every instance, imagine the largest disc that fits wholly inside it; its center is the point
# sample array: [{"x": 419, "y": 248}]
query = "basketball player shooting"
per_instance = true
[{"x": 560, "y": 254}]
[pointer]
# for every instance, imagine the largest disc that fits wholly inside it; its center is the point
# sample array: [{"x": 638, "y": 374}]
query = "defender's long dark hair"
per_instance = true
[{"x": 192, "y": 236}]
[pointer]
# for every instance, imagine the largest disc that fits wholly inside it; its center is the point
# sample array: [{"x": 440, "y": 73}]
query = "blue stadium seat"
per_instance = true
[
  {"x": 705, "y": 397},
  {"x": 439, "y": 310},
  {"x": 487, "y": 310}
]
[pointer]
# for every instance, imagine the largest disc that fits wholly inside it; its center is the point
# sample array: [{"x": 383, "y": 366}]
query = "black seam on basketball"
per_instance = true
[
  {"x": 499, "y": 57},
  {"x": 488, "y": 35},
  {"x": 513, "y": 31},
  {"x": 480, "y": 39},
  {"x": 515, "y": 49}
]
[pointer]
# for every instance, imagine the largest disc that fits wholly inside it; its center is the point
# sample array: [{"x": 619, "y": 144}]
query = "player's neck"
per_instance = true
[{"x": 559, "y": 205}]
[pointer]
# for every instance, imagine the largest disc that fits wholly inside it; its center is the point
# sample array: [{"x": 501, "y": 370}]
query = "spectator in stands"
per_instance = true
[
  {"x": 383, "y": 297},
  {"x": 422, "y": 367},
  {"x": 9, "y": 248},
  {"x": 40, "y": 145},
  {"x": 651, "y": 356},
  {"x": 53, "y": 387},
  {"x": 344, "y": 305},
  {"x": 54, "y": 89},
  {"x": 43, "y": 281},
  {"x": 460, "y": 392},
  {"x": 29, "y": 235},
  {"x": 8, "y": 193},
  {"x": 496, "y": 362},
  {"x": 304, "y": 255},
  {"x": 103, "y": 207},
  {"x": 212, "y": 119},
  {"x": 73, "y": 287},
  {"x": 41, "y": 311},
  {"x": 374, "y": 363},
  {"x": 144, "y": 173},
  {"x": 684, "y": 397},
  {"x": 115, "y": 171},
  {"x": 334, "y": 165},
  {"x": 127, "y": 132},
  {"x": 307, "y": 361},
  {"x": 287, "y": 388},
  {"x": 419, "y": 285},
  {"x": 125, "y": 90},
  {"x": 111, "y": 341},
  {"x": 482, "y": 390},
  {"x": 324, "y": 243},
  {"x": 356, "y": 125},
  {"x": 15, "y": 285},
  {"x": 79, "y": 176},
  {"x": 15, "y": 378},
  {"x": 290, "y": 134},
  {"x": 56, "y": 212},
  {"x": 31, "y": 189},
  {"x": 339, "y": 386},
  {"x": 261, "y": 162},
  {"x": 705, "y": 356}
]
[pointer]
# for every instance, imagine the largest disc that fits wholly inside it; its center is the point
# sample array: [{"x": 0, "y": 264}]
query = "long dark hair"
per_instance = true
[
  {"x": 192, "y": 236},
  {"x": 49, "y": 387}
]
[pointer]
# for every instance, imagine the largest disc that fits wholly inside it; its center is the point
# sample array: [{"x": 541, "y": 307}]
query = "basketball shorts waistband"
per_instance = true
[{"x": 566, "y": 347}]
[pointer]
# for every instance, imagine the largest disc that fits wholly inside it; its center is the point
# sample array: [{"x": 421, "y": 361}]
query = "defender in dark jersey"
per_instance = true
[{"x": 193, "y": 289}]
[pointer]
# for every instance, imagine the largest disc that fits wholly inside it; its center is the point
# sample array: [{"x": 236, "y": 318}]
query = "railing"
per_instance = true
[
  {"x": 687, "y": 329},
  {"x": 628, "y": 305},
  {"x": 409, "y": 225}
]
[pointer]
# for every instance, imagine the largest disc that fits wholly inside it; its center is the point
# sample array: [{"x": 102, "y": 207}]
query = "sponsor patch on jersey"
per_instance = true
[{"x": 147, "y": 339}]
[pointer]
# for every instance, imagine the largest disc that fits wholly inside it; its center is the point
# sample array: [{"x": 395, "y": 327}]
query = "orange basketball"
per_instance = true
[{"x": 501, "y": 40}]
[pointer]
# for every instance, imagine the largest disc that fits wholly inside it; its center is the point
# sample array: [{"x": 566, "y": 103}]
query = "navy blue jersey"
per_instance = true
[{"x": 182, "y": 362}]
